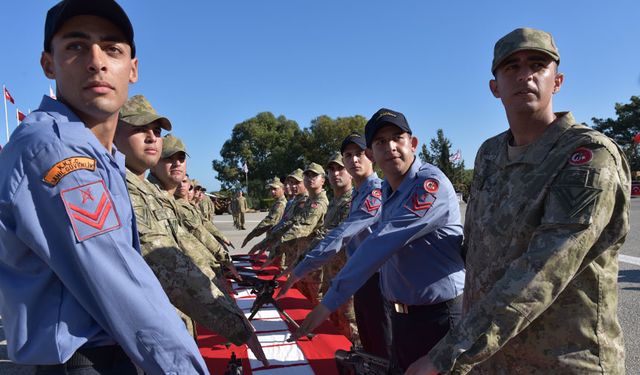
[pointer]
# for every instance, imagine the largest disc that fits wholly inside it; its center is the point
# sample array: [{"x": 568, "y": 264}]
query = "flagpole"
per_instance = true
[
  {"x": 17, "y": 117},
  {"x": 6, "y": 117}
]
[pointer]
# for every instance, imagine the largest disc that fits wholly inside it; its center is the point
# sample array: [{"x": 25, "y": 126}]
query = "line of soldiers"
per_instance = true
[{"x": 178, "y": 240}]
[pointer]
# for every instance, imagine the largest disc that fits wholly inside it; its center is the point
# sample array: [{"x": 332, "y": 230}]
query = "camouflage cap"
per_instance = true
[
  {"x": 137, "y": 111},
  {"x": 315, "y": 168},
  {"x": 524, "y": 39},
  {"x": 296, "y": 175},
  {"x": 172, "y": 145},
  {"x": 196, "y": 183},
  {"x": 336, "y": 158},
  {"x": 274, "y": 183}
]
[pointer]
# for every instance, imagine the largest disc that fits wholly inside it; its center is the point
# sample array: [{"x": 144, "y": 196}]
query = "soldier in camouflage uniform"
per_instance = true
[
  {"x": 296, "y": 235},
  {"x": 166, "y": 177},
  {"x": 206, "y": 205},
  {"x": 190, "y": 218},
  {"x": 548, "y": 212},
  {"x": 241, "y": 208},
  {"x": 275, "y": 212},
  {"x": 188, "y": 286},
  {"x": 294, "y": 206}
]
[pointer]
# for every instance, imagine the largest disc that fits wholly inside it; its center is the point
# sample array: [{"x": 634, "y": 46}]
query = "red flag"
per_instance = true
[
  {"x": 20, "y": 115},
  {"x": 636, "y": 139},
  {"x": 8, "y": 96}
]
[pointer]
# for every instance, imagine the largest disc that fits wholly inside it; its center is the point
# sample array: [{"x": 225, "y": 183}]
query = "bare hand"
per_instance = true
[
  {"x": 285, "y": 288},
  {"x": 228, "y": 243},
  {"x": 244, "y": 243},
  {"x": 256, "y": 348},
  {"x": 318, "y": 315},
  {"x": 422, "y": 366}
]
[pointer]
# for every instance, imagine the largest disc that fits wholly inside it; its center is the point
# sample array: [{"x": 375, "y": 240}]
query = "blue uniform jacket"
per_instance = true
[
  {"x": 416, "y": 244},
  {"x": 71, "y": 273},
  {"x": 365, "y": 206}
]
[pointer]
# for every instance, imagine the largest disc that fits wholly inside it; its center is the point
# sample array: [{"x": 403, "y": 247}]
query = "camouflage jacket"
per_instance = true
[
  {"x": 337, "y": 212},
  {"x": 187, "y": 241},
  {"x": 188, "y": 286},
  {"x": 190, "y": 218},
  {"x": 206, "y": 208},
  {"x": 241, "y": 203},
  {"x": 542, "y": 235},
  {"x": 273, "y": 217},
  {"x": 292, "y": 209},
  {"x": 305, "y": 224}
]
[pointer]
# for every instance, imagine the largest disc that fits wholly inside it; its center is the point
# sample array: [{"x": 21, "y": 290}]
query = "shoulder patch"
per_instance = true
[
  {"x": 66, "y": 166},
  {"x": 372, "y": 202},
  {"x": 376, "y": 193},
  {"x": 581, "y": 156},
  {"x": 421, "y": 200},
  {"x": 431, "y": 185},
  {"x": 90, "y": 209}
]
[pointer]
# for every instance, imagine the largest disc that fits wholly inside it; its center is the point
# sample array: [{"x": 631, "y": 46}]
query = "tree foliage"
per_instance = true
[
  {"x": 325, "y": 135},
  {"x": 269, "y": 145},
  {"x": 623, "y": 129},
  {"x": 276, "y": 146},
  {"x": 439, "y": 154}
]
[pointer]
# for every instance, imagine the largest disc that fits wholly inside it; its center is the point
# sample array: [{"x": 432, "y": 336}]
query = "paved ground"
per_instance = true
[{"x": 629, "y": 288}]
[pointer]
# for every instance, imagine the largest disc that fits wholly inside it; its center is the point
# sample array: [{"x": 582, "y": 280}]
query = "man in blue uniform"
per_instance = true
[
  {"x": 416, "y": 246},
  {"x": 366, "y": 201},
  {"x": 76, "y": 295}
]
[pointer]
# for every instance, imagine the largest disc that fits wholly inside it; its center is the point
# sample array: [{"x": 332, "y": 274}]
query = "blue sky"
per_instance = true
[{"x": 208, "y": 65}]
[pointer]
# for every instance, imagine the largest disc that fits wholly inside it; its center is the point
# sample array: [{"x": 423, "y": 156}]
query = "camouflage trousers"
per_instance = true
[
  {"x": 345, "y": 319},
  {"x": 309, "y": 286}
]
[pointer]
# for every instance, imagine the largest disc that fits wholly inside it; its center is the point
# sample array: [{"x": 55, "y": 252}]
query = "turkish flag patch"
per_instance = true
[
  {"x": 421, "y": 200},
  {"x": 431, "y": 185},
  {"x": 90, "y": 209},
  {"x": 581, "y": 156}
]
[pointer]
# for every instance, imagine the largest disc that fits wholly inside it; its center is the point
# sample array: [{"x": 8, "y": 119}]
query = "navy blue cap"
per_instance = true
[
  {"x": 354, "y": 138},
  {"x": 107, "y": 9},
  {"x": 383, "y": 118}
]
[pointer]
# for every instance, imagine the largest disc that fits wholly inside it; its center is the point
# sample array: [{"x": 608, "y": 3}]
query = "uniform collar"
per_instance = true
[
  {"x": 537, "y": 150},
  {"x": 370, "y": 183},
  {"x": 71, "y": 127},
  {"x": 407, "y": 181}
]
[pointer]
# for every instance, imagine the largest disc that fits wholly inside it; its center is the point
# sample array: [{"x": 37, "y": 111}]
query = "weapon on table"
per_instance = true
[
  {"x": 234, "y": 367},
  {"x": 264, "y": 291},
  {"x": 358, "y": 362},
  {"x": 243, "y": 258}
]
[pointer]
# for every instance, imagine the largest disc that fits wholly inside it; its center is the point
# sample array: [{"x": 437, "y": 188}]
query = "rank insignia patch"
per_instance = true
[
  {"x": 372, "y": 202},
  {"x": 421, "y": 200},
  {"x": 66, "y": 166},
  {"x": 90, "y": 210},
  {"x": 581, "y": 156}
]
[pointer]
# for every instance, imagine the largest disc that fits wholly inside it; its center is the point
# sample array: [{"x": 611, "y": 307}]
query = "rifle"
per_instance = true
[
  {"x": 358, "y": 362},
  {"x": 234, "y": 367},
  {"x": 264, "y": 291}
]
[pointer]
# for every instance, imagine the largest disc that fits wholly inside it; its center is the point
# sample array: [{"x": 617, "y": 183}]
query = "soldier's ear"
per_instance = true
[
  {"x": 369, "y": 153},
  {"x": 46, "y": 62},
  {"x": 493, "y": 86}
]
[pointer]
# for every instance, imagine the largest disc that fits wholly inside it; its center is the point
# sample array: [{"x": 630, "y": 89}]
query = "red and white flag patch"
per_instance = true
[
  {"x": 90, "y": 209},
  {"x": 431, "y": 185},
  {"x": 581, "y": 156}
]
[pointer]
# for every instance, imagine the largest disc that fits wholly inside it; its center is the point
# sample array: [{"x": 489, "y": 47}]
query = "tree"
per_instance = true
[
  {"x": 439, "y": 154},
  {"x": 325, "y": 135},
  {"x": 270, "y": 146},
  {"x": 623, "y": 129}
]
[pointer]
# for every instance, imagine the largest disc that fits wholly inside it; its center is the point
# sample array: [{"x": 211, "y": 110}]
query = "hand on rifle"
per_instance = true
[
  {"x": 287, "y": 285},
  {"x": 318, "y": 315}
]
